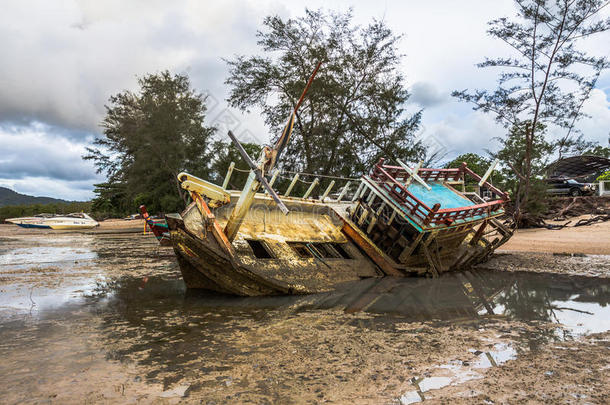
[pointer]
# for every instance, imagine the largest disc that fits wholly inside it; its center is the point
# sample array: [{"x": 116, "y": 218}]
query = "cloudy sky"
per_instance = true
[{"x": 61, "y": 60}]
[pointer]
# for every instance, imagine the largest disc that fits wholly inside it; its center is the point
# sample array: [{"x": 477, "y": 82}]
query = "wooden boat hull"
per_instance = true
[
  {"x": 203, "y": 266},
  {"x": 386, "y": 231},
  {"x": 207, "y": 264},
  {"x": 159, "y": 229}
]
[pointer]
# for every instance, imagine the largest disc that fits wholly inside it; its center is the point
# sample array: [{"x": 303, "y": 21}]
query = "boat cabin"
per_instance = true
[{"x": 422, "y": 227}]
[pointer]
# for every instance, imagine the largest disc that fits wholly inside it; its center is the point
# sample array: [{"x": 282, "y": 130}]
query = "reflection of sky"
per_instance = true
[
  {"x": 44, "y": 254},
  {"x": 582, "y": 323},
  {"x": 41, "y": 267},
  {"x": 459, "y": 372}
]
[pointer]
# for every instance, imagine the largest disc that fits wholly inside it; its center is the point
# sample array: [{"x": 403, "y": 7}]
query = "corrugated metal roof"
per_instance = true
[{"x": 578, "y": 166}]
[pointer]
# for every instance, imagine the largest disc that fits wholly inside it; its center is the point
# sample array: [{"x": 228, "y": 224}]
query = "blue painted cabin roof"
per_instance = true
[{"x": 439, "y": 193}]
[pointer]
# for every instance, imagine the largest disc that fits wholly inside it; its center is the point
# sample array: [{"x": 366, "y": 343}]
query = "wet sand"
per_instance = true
[
  {"x": 583, "y": 250},
  {"x": 105, "y": 318},
  {"x": 592, "y": 239}
]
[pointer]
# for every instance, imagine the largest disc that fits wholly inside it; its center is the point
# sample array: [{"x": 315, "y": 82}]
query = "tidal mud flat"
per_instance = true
[{"x": 105, "y": 318}]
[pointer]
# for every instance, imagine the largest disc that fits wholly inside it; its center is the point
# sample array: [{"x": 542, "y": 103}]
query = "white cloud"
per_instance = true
[
  {"x": 62, "y": 60},
  {"x": 597, "y": 128},
  {"x": 427, "y": 95}
]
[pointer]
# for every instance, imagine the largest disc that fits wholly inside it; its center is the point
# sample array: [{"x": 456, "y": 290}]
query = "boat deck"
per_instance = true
[{"x": 439, "y": 193}]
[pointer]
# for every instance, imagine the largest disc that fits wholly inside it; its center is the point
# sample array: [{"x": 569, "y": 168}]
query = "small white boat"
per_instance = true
[{"x": 70, "y": 221}]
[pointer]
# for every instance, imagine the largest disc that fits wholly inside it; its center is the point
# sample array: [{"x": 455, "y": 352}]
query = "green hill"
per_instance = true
[{"x": 10, "y": 197}]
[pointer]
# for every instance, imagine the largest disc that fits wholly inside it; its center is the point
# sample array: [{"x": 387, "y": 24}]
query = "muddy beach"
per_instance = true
[{"x": 104, "y": 317}]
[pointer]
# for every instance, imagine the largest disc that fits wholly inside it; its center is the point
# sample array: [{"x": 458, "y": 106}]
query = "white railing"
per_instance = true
[
  {"x": 603, "y": 188},
  {"x": 342, "y": 194}
]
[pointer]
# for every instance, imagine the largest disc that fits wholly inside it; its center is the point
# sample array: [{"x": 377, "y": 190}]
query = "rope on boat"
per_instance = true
[
  {"x": 241, "y": 170},
  {"x": 303, "y": 174},
  {"x": 323, "y": 175}
]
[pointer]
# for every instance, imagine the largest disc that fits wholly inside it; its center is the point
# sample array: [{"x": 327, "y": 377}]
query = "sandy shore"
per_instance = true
[
  {"x": 105, "y": 318},
  {"x": 592, "y": 239},
  {"x": 583, "y": 251}
]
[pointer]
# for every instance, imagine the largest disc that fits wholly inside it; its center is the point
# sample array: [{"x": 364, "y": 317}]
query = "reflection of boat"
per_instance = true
[
  {"x": 158, "y": 227},
  {"x": 56, "y": 221},
  {"x": 401, "y": 221}
]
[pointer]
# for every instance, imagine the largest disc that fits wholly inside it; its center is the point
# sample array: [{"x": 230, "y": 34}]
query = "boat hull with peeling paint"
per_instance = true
[{"x": 391, "y": 227}]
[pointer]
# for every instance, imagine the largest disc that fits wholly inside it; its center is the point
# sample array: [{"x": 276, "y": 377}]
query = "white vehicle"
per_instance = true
[{"x": 69, "y": 221}]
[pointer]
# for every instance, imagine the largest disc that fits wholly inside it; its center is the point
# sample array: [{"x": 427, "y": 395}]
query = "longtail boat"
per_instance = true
[
  {"x": 401, "y": 221},
  {"x": 158, "y": 227}
]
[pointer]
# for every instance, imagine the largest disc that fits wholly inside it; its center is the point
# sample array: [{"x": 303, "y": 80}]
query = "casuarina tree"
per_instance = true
[
  {"x": 149, "y": 137},
  {"x": 354, "y": 112},
  {"x": 546, "y": 80}
]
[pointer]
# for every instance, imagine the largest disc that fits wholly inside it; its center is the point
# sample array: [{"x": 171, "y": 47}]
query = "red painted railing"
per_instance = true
[{"x": 392, "y": 178}]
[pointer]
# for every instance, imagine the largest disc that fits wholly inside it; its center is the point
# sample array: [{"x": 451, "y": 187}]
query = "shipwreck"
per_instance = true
[{"x": 400, "y": 221}]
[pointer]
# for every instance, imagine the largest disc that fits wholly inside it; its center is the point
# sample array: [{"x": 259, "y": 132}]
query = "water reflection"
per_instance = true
[
  {"x": 156, "y": 322},
  {"x": 577, "y": 302},
  {"x": 458, "y": 372}
]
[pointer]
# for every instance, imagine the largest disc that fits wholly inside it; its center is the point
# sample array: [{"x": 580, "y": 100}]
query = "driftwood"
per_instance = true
[
  {"x": 532, "y": 221},
  {"x": 561, "y": 208},
  {"x": 562, "y": 214},
  {"x": 598, "y": 218},
  {"x": 556, "y": 226}
]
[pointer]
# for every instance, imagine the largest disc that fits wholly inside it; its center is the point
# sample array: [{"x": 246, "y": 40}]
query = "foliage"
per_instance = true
[
  {"x": 477, "y": 164},
  {"x": 513, "y": 155},
  {"x": 574, "y": 146},
  {"x": 604, "y": 176},
  {"x": 149, "y": 137},
  {"x": 354, "y": 111},
  {"x": 224, "y": 154},
  {"x": 547, "y": 80},
  {"x": 110, "y": 201},
  {"x": 598, "y": 150},
  {"x": 13, "y": 211}
]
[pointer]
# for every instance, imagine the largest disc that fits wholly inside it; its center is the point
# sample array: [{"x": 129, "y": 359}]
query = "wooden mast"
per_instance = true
[{"x": 266, "y": 163}]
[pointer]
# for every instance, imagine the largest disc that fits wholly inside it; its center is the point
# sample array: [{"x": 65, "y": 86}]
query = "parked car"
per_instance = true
[{"x": 561, "y": 186}]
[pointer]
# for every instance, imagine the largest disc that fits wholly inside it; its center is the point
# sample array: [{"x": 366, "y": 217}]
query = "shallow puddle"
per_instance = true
[{"x": 115, "y": 308}]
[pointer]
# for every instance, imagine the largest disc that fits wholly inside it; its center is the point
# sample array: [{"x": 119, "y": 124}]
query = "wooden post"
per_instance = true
[
  {"x": 246, "y": 198},
  {"x": 310, "y": 189},
  {"x": 327, "y": 192},
  {"x": 372, "y": 196},
  {"x": 415, "y": 170},
  {"x": 374, "y": 219},
  {"x": 355, "y": 197},
  {"x": 273, "y": 178},
  {"x": 225, "y": 183},
  {"x": 433, "y": 210},
  {"x": 392, "y": 217},
  {"x": 424, "y": 248},
  {"x": 212, "y": 223},
  {"x": 343, "y": 191},
  {"x": 488, "y": 172},
  {"x": 276, "y": 172},
  {"x": 413, "y": 174},
  {"x": 292, "y": 183},
  {"x": 478, "y": 234},
  {"x": 408, "y": 251}
]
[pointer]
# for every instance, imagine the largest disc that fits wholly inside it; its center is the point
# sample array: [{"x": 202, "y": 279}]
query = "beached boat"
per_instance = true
[
  {"x": 76, "y": 220},
  {"x": 401, "y": 221},
  {"x": 157, "y": 226}
]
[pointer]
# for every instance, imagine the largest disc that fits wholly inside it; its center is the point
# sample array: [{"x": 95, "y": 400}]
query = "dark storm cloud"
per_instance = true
[
  {"x": 61, "y": 62},
  {"x": 37, "y": 151}
]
